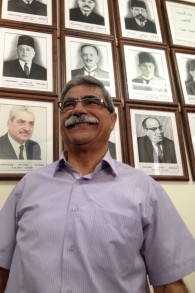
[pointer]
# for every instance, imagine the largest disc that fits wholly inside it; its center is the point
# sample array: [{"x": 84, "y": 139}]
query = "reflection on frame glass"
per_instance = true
[
  {"x": 26, "y": 60},
  {"x": 147, "y": 74},
  {"x": 90, "y": 57},
  {"x": 181, "y": 21},
  {"x": 189, "y": 119},
  {"x": 37, "y": 11},
  {"x": 139, "y": 20},
  {"x": 157, "y": 149},
  {"x": 186, "y": 70},
  {"x": 88, "y": 17},
  {"x": 24, "y": 145}
]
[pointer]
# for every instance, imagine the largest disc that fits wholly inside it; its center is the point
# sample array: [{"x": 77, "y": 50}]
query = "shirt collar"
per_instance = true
[
  {"x": 106, "y": 161},
  {"x": 28, "y": 2}
]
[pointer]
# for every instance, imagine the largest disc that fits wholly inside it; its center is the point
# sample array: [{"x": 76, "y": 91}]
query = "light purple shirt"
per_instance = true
[{"x": 61, "y": 232}]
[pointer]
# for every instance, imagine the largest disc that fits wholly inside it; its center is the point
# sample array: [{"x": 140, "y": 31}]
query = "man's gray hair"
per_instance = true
[
  {"x": 15, "y": 109},
  {"x": 93, "y": 82}
]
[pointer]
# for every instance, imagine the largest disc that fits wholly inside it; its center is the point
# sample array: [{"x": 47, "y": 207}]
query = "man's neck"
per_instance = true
[{"x": 84, "y": 160}]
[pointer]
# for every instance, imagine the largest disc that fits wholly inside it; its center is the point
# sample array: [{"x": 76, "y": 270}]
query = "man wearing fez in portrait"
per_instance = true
[
  {"x": 91, "y": 57},
  {"x": 147, "y": 66},
  {"x": 17, "y": 144},
  {"x": 27, "y": 7},
  {"x": 190, "y": 85},
  {"x": 84, "y": 13},
  {"x": 139, "y": 21},
  {"x": 23, "y": 66},
  {"x": 154, "y": 147}
]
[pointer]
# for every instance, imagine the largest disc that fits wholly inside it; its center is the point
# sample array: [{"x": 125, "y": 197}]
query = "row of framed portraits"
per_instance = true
[
  {"x": 174, "y": 15},
  {"x": 162, "y": 89},
  {"x": 126, "y": 143}
]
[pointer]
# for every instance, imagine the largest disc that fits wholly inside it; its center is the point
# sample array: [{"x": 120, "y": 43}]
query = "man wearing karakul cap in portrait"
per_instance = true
[
  {"x": 23, "y": 66},
  {"x": 190, "y": 85},
  {"x": 139, "y": 21},
  {"x": 147, "y": 66}
]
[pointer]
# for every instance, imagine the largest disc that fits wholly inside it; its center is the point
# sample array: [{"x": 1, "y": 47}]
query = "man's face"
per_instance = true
[
  {"x": 147, "y": 69},
  {"x": 84, "y": 134},
  {"x": 22, "y": 126},
  {"x": 154, "y": 130},
  {"x": 90, "y": 57},
  {"x": 86, "y": 5},
  {"x": 192, "y": 72},
  {"x": 25, "y": 53},
  {"x": 139, "y": 11}
]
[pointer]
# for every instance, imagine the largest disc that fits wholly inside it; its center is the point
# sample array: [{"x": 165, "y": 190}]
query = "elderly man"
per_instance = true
[
  {"x": 90, "y": 56},
  {"x": 23, "y": 66},
  {"x": 87, "y": 223},
  {"x": 154, "y": 147},
  {"x": 190, "y": 85},
  {"x": 28, "y": 7},
  {"x": 139, "y": 21},
  {"x": 84, "y": 12},
  {"x": 16, "y": 143}
]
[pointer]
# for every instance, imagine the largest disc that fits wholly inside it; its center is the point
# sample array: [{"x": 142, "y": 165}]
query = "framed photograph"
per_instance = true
[
  {"x": 41, "y": 12},
  {"x": 148, "y": 73},
  {"x": 27, "y": 60},
  {"x": 180, "y": 19},
  {"x": 139, "y": 20},
  {"x": 156, "y": 142},
  {"x": 90, "y": 17},
  {"x": 184, "y": 62},
  {"x": 24, "y": 145},
  {"x": 189, "y": 121},
  {"x": 84, "y": 56}
]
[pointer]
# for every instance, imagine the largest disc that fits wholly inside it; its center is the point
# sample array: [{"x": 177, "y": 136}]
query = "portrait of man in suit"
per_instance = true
[
  {"x": 190, "y": 85},
  {"x": 154, "y": 147},
  {"x": 27, "y": 7},
  {"x": 139, "y": 20},
  {"x": 90, "y": 57},
  {"x": 24, "y": 66},
  {"x": 17, "y": 144},
  {"x": 147, "y": 67},
  {"x": 85, "y": 13}
]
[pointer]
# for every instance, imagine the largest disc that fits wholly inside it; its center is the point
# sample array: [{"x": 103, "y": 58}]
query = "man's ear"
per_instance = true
[{"x": 113, "y": 118}]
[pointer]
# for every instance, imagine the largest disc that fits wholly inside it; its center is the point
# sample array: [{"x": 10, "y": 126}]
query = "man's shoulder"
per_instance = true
[
  {"x": 4, "y": 138},
  {"x": 11, "y": 62},
  {"x": 79, "y": 71},
  {"x": 38, "y": 67}
]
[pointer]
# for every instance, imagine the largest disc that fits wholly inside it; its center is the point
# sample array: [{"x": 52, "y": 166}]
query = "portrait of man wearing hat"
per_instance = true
[
  {"x": 147, "y": 66},
  {"x": 190, "y": 85},
  {"x": 27, "y": 7},
  {"x": 23, "y": 66},
  {"x": 139, "y": 21}
]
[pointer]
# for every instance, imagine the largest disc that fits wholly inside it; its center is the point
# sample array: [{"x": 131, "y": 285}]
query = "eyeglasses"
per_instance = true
[
  {"x": 155, "y": 128},
  {"x": 87, "y": 102}
]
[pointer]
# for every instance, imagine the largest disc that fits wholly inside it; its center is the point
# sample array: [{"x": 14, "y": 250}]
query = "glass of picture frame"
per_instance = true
[
  {"x": 189, "y": 121},
  {"x": 43, "y": 72},
  {"x": 164, "y": 127},
  {"x": 148, "y": 73},
  {"x": 180, "y": 18},
  {"x": 40, "y": 143},
  {"x": 42, "y": 12}
]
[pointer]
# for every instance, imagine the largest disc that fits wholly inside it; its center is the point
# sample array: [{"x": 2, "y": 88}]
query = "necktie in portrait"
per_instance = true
[
  {"x": 26, "y": 69},
  {"x": 21, "y": 156},
  {"x": 160, "y": 153}
]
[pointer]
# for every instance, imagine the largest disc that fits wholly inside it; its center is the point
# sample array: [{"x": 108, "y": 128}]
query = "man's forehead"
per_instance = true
[{"x": 24, "y": 115}]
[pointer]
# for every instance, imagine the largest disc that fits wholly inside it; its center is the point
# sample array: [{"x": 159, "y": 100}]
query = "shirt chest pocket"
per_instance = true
[{"x": 115, "y": 242}]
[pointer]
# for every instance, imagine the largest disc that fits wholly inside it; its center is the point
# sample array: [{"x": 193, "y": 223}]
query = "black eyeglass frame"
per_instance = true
[{"x": 155, "y": 128}]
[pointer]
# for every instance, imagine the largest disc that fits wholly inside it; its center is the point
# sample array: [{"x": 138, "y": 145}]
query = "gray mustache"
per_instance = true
[{"x": 80, "y": 119}]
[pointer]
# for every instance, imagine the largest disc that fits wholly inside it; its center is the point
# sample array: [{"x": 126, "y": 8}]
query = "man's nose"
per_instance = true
[{"x": 79, "y": 108}]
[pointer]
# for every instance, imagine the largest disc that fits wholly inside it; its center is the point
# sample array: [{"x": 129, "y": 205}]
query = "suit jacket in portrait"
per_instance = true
[
  {"x": 154, "y": 81},
  {"x": 99, "y": 73},
  {"x": 112, "y": 149},
  {"x": 7, "y": 152},
  {"x": 35, "y": 7},
  {"x": 190, "y": 87},
  {"x": 13, "y": 68},
  {"x": 131, "y": 24},
  {"x": 77, "y": 15},
  {"x": 146, "y": 150}
]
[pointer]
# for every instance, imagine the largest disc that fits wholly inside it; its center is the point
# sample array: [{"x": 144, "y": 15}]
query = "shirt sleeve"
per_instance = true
[
  {"x": 8, "y": 227},
  {"x": 169, "y": 247}
]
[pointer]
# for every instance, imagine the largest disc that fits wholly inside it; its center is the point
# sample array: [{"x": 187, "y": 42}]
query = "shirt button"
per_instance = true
[
  {"x": 74, "y": 209},
  {"x": 71, "y": 248}
]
